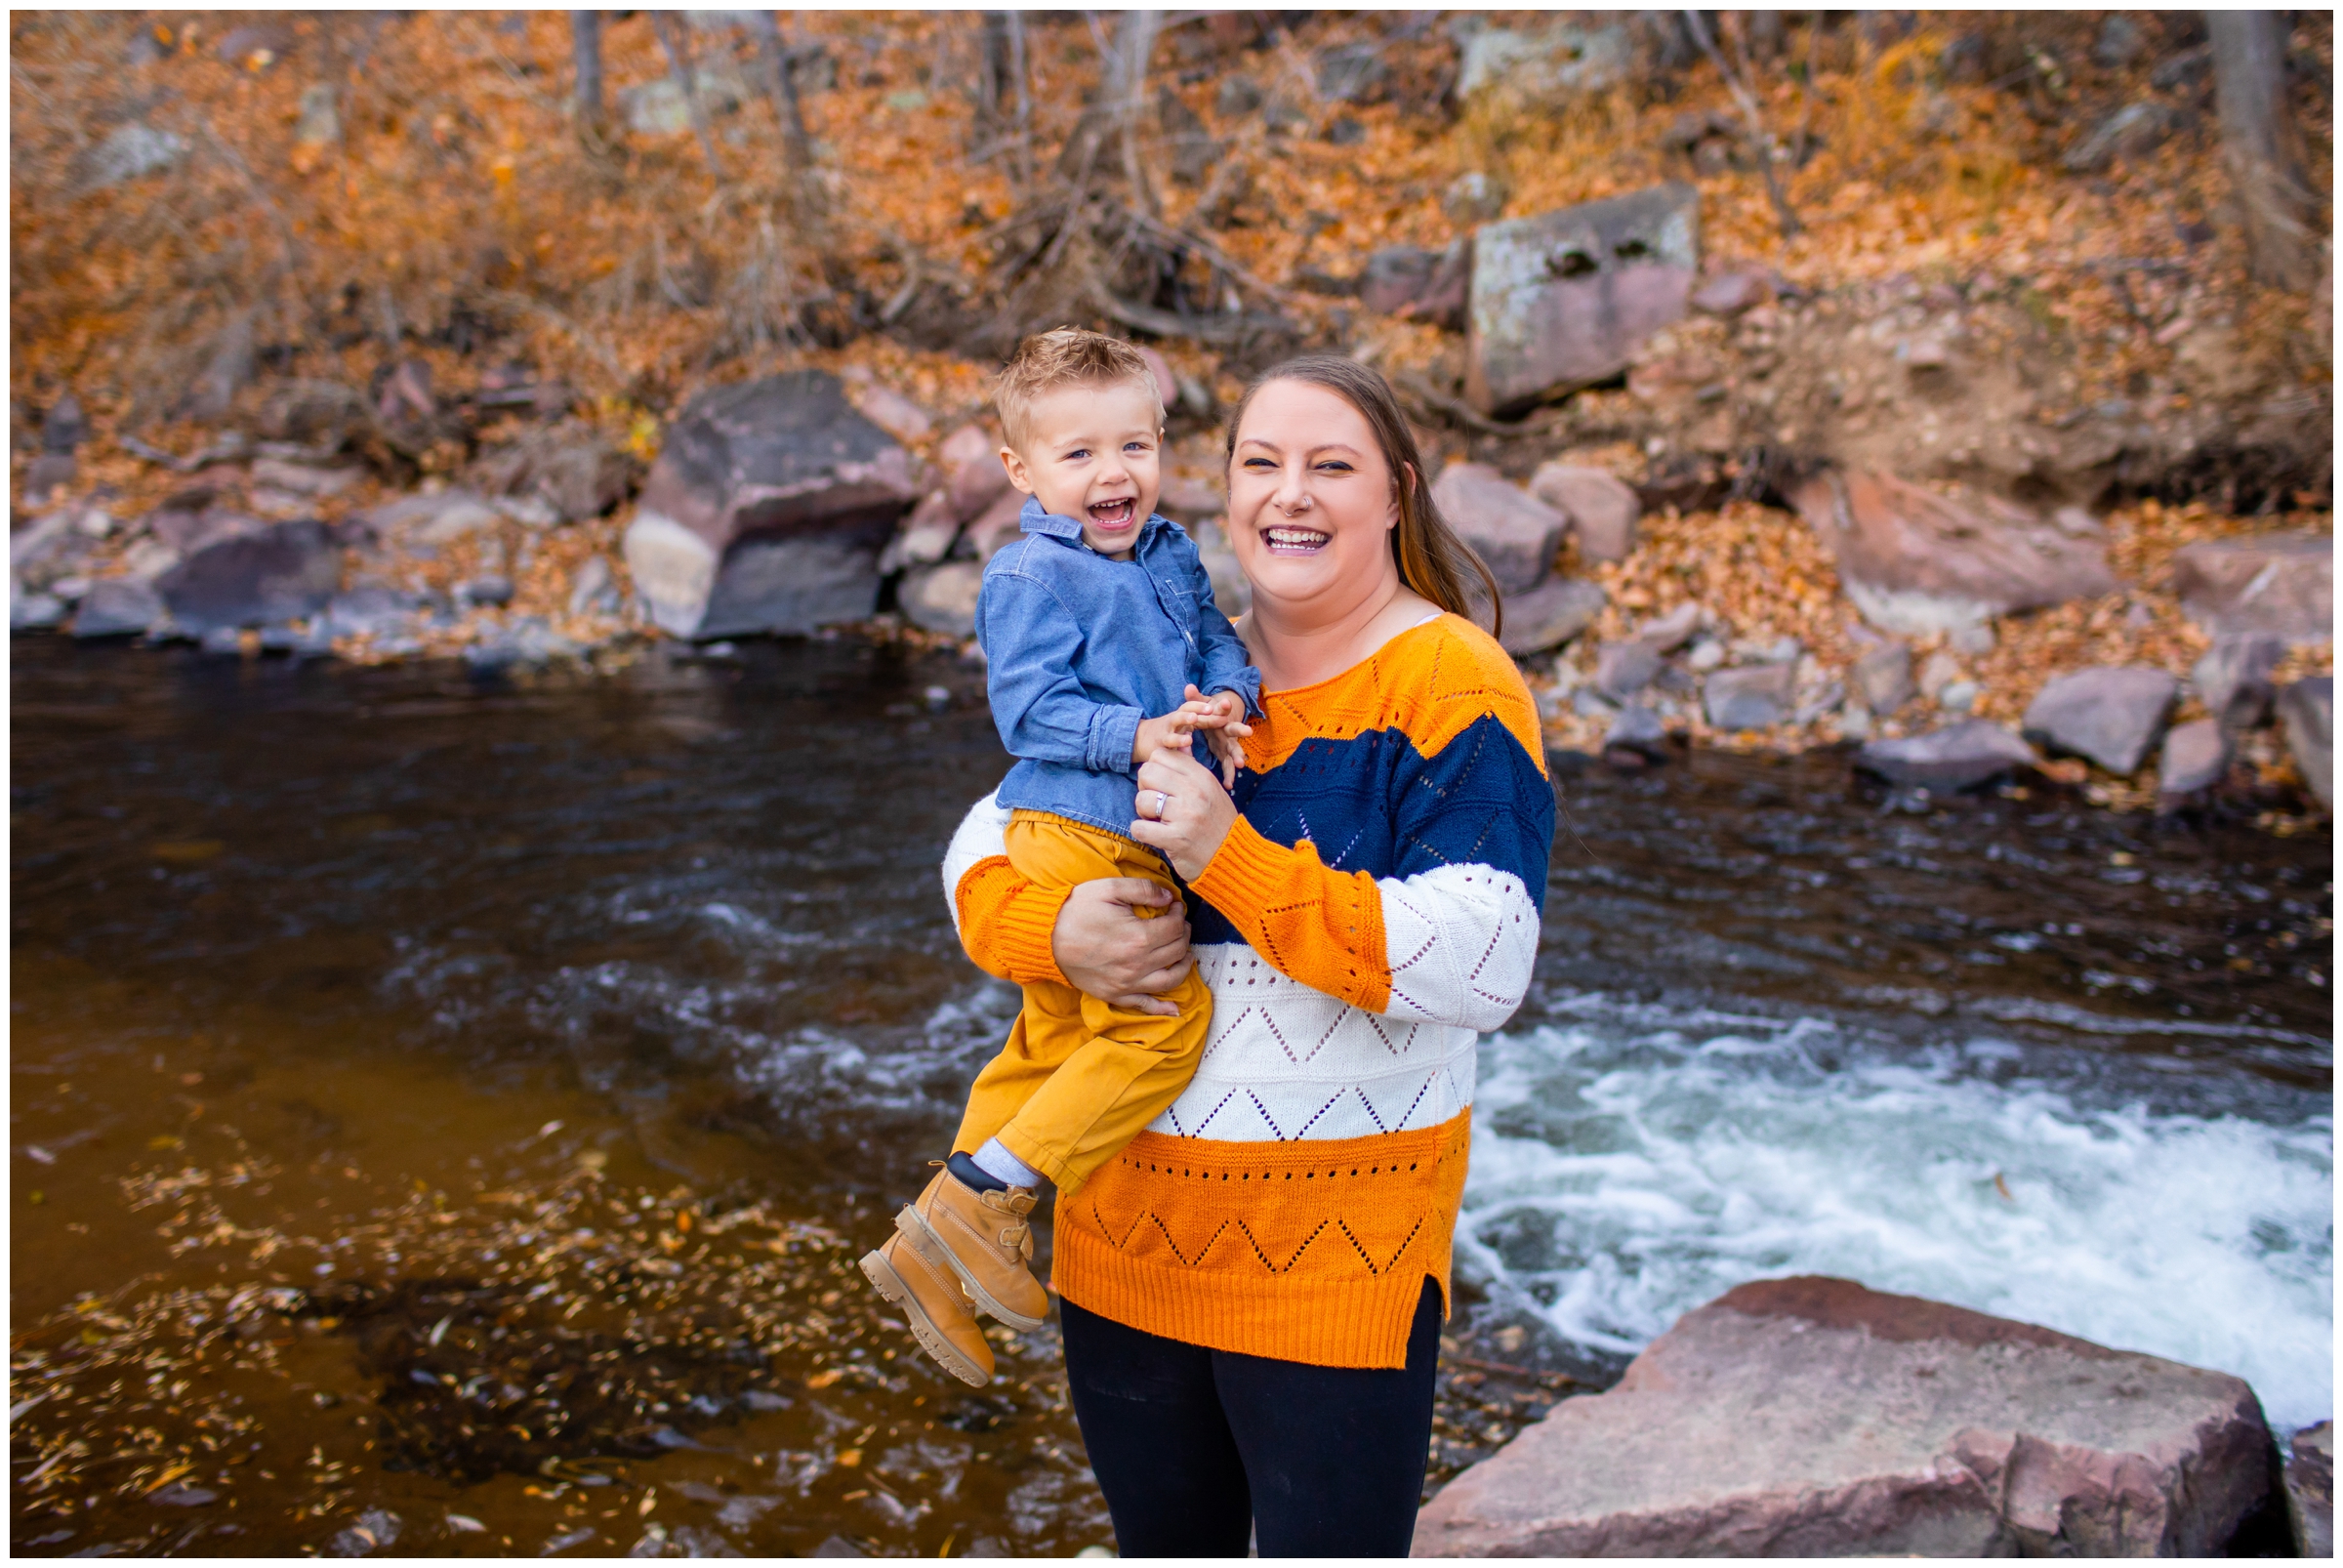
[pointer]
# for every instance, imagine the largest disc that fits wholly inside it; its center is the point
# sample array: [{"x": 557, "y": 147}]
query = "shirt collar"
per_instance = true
[{"x": 1035, "y": 519}]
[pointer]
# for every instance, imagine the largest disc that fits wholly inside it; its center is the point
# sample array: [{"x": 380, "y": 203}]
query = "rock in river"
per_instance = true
[
  {"x": 1563, "y": 300},
  {"x": 2196, "y": 758},
  {"x": 1914, "y": 561},
  {"x": 2311, "y": 1489},
  {"x": 942, "y": 598},
  {"x": 285, "y": 573},
  {"x": 1959, "y": 756},
  {"x": 1816, "y": 1417},
  {"x": 1514, "y": 532},
  {"x": 766, "y": 511},
  {"x": 2111, "y": 715},
  {"x": 2233, "y": 678},
  {"x": 117, "y": 607},
  {"x": 2308, "y": 708}
]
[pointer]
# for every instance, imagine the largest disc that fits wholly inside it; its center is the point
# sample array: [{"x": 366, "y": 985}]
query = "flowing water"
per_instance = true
[{"x": 446, "y": 1115}]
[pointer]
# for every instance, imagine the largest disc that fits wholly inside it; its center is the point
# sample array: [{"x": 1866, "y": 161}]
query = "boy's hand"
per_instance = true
[
  {"x": 1175, "y": 730},
  {"x": 1224, "y": 728}
]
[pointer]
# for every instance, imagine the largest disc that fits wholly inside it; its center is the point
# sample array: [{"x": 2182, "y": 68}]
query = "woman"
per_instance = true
[{"x": 1251, "y": 1295}]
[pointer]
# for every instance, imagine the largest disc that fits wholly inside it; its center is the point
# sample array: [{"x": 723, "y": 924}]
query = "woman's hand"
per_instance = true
[
  {"x": 1183, "y": 811},
  {"x": 1107, "y": 950}
]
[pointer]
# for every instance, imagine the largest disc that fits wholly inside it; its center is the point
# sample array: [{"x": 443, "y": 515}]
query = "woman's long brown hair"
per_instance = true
[{"x": 1432, "y": 560}]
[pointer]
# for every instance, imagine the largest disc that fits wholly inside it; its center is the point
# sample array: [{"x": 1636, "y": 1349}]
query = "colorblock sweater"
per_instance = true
[{"x": 1374, "y": 908}]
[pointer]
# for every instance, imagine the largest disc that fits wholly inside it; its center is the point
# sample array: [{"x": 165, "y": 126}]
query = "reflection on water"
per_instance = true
[{"x": 446, "y": 1115}]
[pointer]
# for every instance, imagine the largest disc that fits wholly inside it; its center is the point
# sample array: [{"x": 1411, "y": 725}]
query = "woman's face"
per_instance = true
[{"x": 1311, "y": 502}]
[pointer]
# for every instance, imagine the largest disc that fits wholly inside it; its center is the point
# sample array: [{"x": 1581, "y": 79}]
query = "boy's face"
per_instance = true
[{"x": 1093, "y": 453}]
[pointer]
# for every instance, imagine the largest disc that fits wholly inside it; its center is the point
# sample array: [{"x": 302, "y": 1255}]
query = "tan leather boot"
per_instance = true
[
  {"x": 984, "y": 1240},
  {"x": 935, "y": 1308}
]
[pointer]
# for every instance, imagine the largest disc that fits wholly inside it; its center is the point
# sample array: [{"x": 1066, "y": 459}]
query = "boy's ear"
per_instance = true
[{"x": 1018, "y": 479}]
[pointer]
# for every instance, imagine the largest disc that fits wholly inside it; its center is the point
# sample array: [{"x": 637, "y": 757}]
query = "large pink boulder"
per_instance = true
[
  {"x": 1914, "y": 561},
  {"x": 1816, "y": 1417},
  {"x": 1603, "y": 508}
]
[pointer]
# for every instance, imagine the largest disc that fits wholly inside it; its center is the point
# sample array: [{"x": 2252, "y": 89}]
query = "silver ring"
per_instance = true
[{"x": 1161, "y": 801}]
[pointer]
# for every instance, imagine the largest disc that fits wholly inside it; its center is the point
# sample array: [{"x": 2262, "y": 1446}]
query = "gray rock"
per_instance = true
[
  {"x": 1566, "y": 299},
  {"x": 594, "y": 589},
  {"x": 440, "y": 518},
  {"x": 493, "y": 591},
  {"x": 1232, "y": 590},
  {"x": 2306, "y": 708},
  {"x": 2196, "y": 758},
  {"x": 2185, "y": 71},
  {"x": 2311, "y": 1489},
  {"x": 574, "y": 469},
  {"x": 47, "y": 475},
  {"x": 525, "y": 641},
  {"x": 118, "y": 607},
  {"x": 1914, "y": 561},
  {"x": 1602, "y": 508},
  {"x": 2131, "y": 131},
  {"x": 1670, "y": 632},
  {"x": 2233, "y": 678},
  {"x": 187, "y": 529},
  {"x": 31, "y": 610},
  {"x": 1813, "y": 1417},
  {"x": 2119, "y": 42},
  {"x": 1473, "y": 199},
  {"x": 1623, "y": 668},
  {"x": 766, "y": 511},
  {"x": 1350, "y": 73},
  {"x": 1974, "y": 638},
  {"x": 1424, "y": 285},
  {"x": 1637, "y": 731},
  {"x": 1542, "y": 68},
  {"x": 303, "y": 478},
  {"x": 942, "y": 598},
  {"x": 973, "y": 475},
  {"x": 67, "y": 427},
  {"x": 1588, "y": 703},
  {"x": 236, "y": 356},
  {"x": 372, "y": 612},
  {"x": 926, "y": 537},
  {"x": 2111, "y": 715},
  {"x": 222, "y": 640},
  {"x": 2282, "y": 584},
  {"x": 376, "y": 1530},
  {"x": 285, "y": 573},
  {"x": 1752, "y": 697},
  {"x": 320, "y": 122},
  {"x": 129, "y": 152},
  {"x": 1883, "y": 677},
  {"x": 996, "y": 528},
  {"x": 1958, "y": 696},
  {"x": 1515, "y": 533},
  {"x": 1728, "y": 294},
  {"x": 1959, "y": 756}
]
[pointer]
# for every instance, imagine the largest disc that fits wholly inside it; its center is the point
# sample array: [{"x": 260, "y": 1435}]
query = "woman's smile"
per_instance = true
[{"x": 1289, "y": 539}]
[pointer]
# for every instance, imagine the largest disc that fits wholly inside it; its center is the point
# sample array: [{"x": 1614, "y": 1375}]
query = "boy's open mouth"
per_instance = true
[
  {"x": 1116, "y": 514},
  {"x": 1287, "y": 540}
]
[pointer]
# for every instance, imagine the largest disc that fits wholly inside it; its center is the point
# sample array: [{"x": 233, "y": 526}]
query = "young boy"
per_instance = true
[{"x": 1103, "y": 646}]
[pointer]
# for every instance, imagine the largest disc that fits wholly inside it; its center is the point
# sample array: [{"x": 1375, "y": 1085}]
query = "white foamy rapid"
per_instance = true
[{"x": 1629, "y": 1164}]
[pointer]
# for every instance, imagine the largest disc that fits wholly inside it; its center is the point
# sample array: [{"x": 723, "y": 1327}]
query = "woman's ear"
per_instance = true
[{"x": 1401, "y": 487}]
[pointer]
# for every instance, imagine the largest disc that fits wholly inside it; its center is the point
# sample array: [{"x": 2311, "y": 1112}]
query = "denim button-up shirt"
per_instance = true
[{"x": 1081, "y": 648}]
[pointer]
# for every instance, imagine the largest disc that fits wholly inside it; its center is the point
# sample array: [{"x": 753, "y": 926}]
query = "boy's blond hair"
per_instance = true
[{"x": 1069, "y": 356}]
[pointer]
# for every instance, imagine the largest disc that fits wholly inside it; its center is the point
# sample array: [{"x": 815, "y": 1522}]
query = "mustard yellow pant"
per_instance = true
[{"x": 1079, "y": 1077}]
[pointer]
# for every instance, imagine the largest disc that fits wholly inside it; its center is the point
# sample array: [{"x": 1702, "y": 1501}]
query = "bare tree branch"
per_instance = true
[
  {"x": 1761, "y": 140},
  {"x": 678, "y": 65}
]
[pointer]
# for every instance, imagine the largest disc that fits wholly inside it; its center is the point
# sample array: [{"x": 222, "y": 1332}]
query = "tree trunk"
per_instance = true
[
  {"x": 678, "y": 65},
  {"x": 585, "y": 40},
  {"x": 2259, "y": 144},
  {"x": 783, "y": 85}
]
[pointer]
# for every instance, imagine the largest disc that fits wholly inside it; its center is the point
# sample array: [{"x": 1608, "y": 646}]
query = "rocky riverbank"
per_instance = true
[{"x": 866, "y": 504}]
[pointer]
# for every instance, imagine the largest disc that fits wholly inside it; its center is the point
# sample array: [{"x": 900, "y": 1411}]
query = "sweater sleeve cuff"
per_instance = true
[
  {"x": 1023, "y": 931},
  {"x": 1247, "y": 875}
]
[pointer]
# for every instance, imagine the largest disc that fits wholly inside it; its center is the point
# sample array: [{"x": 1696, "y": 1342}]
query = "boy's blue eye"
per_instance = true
[{"x": 1078, "y": 453}]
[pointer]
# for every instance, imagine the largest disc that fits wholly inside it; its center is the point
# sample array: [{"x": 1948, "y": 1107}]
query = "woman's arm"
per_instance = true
[
  {"x": 1086, "y": 936},
  {"x": 1450, "y": 938}
]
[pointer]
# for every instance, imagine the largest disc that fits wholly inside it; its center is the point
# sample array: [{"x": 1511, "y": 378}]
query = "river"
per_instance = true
[{"x": 447, "y": 1112}]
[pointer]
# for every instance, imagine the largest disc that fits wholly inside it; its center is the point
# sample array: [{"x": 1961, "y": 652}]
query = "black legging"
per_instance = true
[{"x": 1194, "y": 1447}]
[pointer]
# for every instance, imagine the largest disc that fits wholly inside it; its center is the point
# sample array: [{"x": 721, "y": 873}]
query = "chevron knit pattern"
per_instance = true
[{"x": 1374, "y": 909}]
